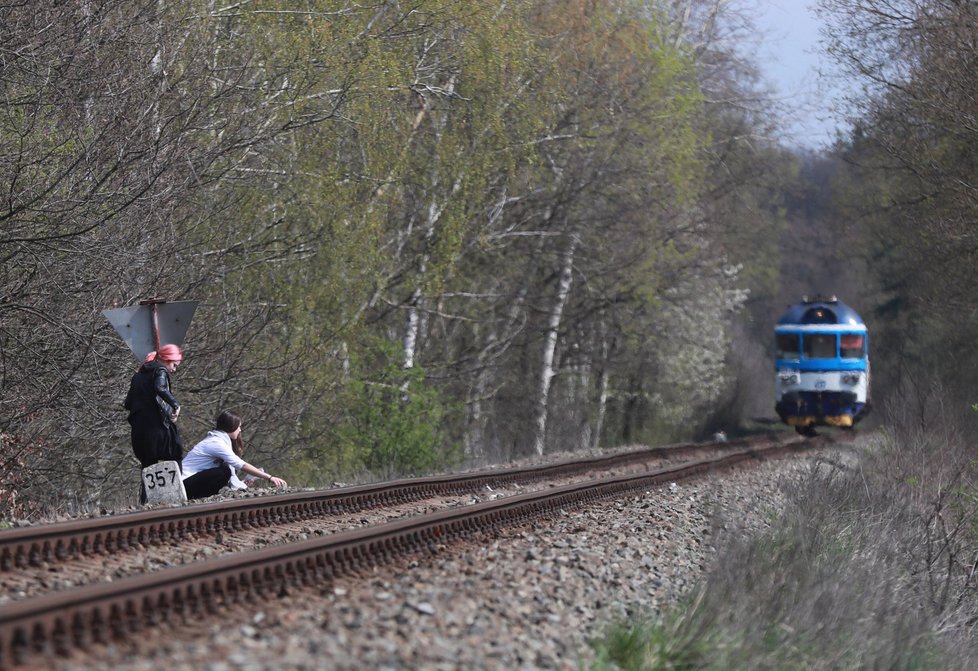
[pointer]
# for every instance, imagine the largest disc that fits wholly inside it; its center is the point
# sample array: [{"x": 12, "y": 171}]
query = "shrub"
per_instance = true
[{"x": 395, "y": 424}]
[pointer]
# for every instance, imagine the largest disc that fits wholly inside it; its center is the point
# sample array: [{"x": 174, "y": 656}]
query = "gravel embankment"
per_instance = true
[{"x": 526, "y": 598}]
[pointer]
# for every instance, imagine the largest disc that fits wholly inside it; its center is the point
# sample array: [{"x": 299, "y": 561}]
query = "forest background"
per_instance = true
[{"x": 435, "y": 234}]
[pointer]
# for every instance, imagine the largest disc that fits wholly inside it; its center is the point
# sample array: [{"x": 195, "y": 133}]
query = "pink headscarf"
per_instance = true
[{"x": 166, "y": 353}]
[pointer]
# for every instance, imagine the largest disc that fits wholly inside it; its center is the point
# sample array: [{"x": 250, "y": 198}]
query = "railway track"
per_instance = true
[
  {"x": 53, "y": 543},
  {"x": 60, "y": 621}
]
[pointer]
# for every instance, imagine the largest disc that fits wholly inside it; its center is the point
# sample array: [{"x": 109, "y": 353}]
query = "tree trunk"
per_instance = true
[
  {"x": 550, "y": 344},
  {"x": 603, "y": 385}
]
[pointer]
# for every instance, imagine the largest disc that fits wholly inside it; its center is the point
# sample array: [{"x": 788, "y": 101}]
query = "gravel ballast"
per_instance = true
[{"x": 524, "y": 598}]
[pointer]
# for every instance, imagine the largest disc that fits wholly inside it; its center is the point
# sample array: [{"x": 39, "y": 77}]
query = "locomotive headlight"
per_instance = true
[
  {"x": 850, "y": 378},
  {"x": 789, "y": 378}
]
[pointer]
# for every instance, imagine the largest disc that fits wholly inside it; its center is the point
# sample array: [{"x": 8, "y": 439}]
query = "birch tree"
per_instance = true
[{"x": 547, "y": 220}]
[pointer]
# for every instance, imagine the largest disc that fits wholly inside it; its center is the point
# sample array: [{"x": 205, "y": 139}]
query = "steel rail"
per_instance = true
[
  {"x": 51, "y": 543},
  {"x": 57, "y": 622}
]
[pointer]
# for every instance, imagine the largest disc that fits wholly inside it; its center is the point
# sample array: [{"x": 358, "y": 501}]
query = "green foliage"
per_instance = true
[
  {"x": 649, "y": 644},
  {"x": 387, "y": 422},
  {"x": 395, "y": 424}
]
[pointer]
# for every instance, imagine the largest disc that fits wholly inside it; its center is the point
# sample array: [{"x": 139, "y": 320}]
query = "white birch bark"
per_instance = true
[
  {"x": 412, "y": 324},
  {"x": 547, "y": 371},
  {"x": 603, "y": 385},
  {"x": 410, "y": 341}
]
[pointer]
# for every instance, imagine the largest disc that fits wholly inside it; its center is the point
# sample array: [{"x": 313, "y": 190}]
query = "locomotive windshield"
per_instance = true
[
  {"x": 852, "y": 346},
  {"x": 820, "y": 345},
  {"x": 788, "y": 346}
]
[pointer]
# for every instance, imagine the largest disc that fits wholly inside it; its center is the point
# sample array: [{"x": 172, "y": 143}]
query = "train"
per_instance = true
[{"x": 821, "y": 365}]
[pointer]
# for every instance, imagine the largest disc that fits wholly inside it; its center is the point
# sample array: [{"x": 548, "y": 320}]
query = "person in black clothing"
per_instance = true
[{"x": 153, "y": 410}]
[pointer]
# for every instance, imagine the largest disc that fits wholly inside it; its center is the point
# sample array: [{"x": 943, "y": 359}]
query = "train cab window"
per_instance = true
[
  {"x": 820, "y": 345},
  {"x": 819, "y": 315},
  {"x": 851, "y": 346},
  {"x": 788, "y": 346}
]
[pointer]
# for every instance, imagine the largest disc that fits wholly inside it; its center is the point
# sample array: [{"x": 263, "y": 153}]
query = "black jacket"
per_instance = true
[{"x": 149, "y": 391}]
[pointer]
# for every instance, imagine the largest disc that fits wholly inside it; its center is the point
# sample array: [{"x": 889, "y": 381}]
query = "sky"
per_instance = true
[{"x": 788, "y": 58}]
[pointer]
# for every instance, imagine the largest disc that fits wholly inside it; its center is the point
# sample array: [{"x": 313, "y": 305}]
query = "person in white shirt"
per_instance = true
[{"x": 212, "y": 462}]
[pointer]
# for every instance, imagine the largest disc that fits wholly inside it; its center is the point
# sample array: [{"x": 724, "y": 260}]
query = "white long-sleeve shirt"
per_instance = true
[{"x": 212, "y": 451}]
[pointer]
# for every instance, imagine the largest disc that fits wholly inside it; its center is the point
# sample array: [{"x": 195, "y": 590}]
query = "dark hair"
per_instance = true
[{"x": 228, "y": 422}]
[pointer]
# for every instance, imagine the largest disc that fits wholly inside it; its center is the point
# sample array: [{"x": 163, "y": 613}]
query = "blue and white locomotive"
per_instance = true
[{"x": 822, "y": 365}]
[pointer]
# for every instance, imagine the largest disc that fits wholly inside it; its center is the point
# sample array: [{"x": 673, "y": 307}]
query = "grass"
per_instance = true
[
  {"x": 650, "y": 644},
  {"x": 868, "y": 568}
]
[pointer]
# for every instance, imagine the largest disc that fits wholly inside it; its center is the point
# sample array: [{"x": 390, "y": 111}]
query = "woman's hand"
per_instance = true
[
  {"x": 264, "y": 475},
  {"x": 175, "y": 414}
]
